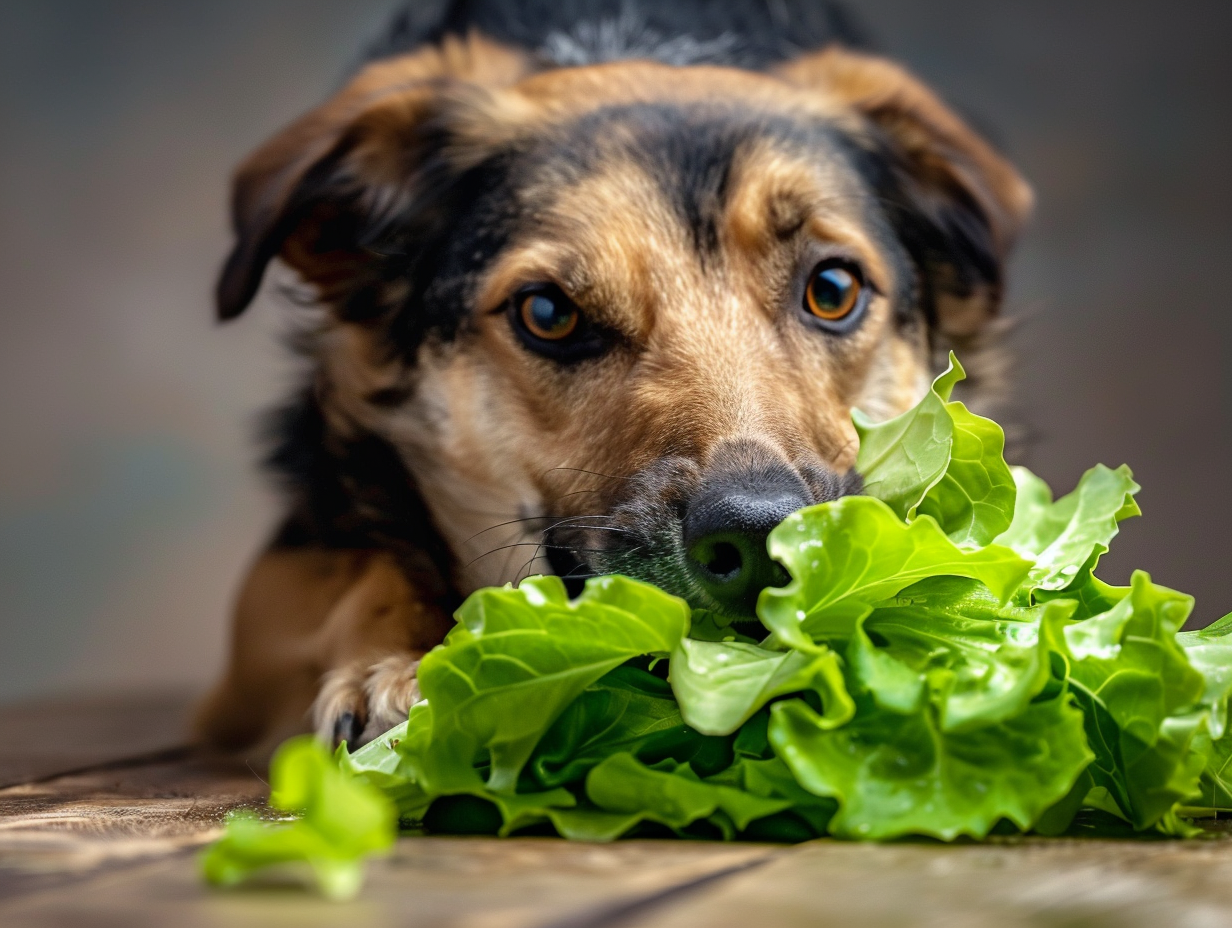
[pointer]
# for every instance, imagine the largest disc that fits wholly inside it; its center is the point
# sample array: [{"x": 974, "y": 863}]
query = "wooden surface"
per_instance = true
[{"x": 90, "y": 839}]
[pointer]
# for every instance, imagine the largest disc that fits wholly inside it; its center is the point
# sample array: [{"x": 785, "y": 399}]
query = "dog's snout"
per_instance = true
[{"x": 725, "y": 528}]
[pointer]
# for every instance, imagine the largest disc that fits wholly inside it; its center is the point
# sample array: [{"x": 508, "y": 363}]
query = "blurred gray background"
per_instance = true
[{"x": 128, "y": 500}]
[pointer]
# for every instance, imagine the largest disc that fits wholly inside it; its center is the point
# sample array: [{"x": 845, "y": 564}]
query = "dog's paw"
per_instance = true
[{"x": 362, "y": 700}]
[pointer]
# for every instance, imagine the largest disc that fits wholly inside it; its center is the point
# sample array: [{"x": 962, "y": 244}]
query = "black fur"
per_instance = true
[
  {"x": 751, "y": 34},
  {"x": 946, "y": 232},
  {"x": 352, "y": 493}
]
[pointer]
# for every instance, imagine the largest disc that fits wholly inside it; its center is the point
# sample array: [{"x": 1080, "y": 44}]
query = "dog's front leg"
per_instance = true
[
  {"x": 371, "y": 644},
  {"x": 334, "y": 634}
]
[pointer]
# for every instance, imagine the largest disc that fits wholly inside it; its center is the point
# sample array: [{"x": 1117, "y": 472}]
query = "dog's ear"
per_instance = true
[
  {"x": 306, "y": 194},
  {"x": 956, "y": 203}
]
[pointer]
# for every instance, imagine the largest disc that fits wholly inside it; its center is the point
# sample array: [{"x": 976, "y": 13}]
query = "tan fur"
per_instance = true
[
  {"x": 932, "y": 134},
  {"x": 493, "y": 434},
  {"x": 302, "y": 617},
  {"x": 386, "y": 689}
]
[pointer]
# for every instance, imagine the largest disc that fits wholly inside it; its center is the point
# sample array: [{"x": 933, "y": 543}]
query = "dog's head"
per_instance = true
[{"x": 615, "y": 318}]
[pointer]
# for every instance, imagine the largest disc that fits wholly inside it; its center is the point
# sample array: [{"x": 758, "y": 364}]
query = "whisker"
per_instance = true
[
  {"x": 491, "y": 528},
  {"x": 527, "y": 544},
  {"x": 579, "y": 492},
  {"x": 542, "y": 518},
  {"x": 582, "y": 470},
  {"x": 608, "y": 528}
]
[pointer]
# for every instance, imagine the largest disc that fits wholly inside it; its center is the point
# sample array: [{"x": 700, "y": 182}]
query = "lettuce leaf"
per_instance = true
[
  {"x": 847, "y": 555},
  {"x": 942, "y": 460},
  {"x": 342, "y": 820},
  {"x": 974, "y": 500},
  {"x": 981, "y": 662},
  {"x": 627, "y": 711},
  {"x": 902, "y": 459},
  {"x": 898, "y": 774},
  {"x": 1134, "y": 683},
  {"x": 1209, "y": 651},
  {"x": 518, "y": 657},
  {"x": 1066, "y": 538},
  {"x": 720, "y": 684},
  {"x": 674, "y": 795}
]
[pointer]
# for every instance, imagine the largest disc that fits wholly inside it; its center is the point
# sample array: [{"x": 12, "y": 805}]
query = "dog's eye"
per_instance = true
[
  {"x": 833, "y": 291},
  {"x": 548, "y": 316},
  {"x": 549, "y": 323}
]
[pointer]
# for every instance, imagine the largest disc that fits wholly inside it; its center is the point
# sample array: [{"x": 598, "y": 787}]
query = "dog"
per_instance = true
[{"x": 597, "y": 287}]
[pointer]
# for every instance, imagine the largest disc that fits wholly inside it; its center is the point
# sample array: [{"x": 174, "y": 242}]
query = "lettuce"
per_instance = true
[
  {"x": 1065, "y": 539},
  {"x": 720, "y": 684},
  {"x": 943, "y": 661},
  {"x": 341, "y": 821},
  {"x": 940, "y": 459},
  {"x": 518, "y": 657},
  {"x": 900, "y": 774},
  {"x": 847, "y": 555}
]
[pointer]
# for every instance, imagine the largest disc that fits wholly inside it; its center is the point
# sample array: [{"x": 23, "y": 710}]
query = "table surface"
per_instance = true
[{"x": 102, "y": 815}]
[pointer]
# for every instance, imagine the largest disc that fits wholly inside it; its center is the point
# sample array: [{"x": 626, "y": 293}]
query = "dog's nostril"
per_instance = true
[{"x": 724, "y": 560}]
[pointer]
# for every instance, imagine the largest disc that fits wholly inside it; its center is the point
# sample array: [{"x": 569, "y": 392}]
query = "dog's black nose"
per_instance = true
[{"x": 725, "y": 528}]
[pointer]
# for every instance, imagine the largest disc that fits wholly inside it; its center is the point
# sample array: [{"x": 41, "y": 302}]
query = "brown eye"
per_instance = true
[
  {"x": 833, "y": 291},
  {"x": 547, "y": 316}
]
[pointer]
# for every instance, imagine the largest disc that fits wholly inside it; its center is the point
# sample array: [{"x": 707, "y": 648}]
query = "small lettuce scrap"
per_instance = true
[
  {"x": 942, "y": 662},
  {"x": 341, "y": 822}
]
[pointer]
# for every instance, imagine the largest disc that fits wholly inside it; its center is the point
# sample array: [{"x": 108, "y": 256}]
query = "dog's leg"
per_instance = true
[
  {"x": 341, "y": 631},
  {"x": 359, "y": 701}
]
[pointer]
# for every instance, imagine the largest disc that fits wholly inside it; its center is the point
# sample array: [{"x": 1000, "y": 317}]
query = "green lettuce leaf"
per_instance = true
[
  {"x": 901, "y": 459},
  {"x": 720, "y": 684},
  {"x": 627, "y": 711},
  {"x": 1209, "y": 651},
  {"x": 1214, "y": 790},
  {"x": 942, "y": 460},
  {"x": 847, "y": 555},
  {"x": 980, "y": 661},
  {"x": 973, "y": 502},
  {"x": 673, "y": 795},
  {"x": 342, "y": 820},
  {"x": 1134, "y": 684},
  {"x": 898, "y": 774},
  {"x": 1065, "y": 538},
  {"x": 518, "y": 657}
]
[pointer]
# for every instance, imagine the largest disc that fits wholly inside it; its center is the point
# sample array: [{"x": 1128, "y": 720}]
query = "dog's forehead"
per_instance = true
[{"x": 642, "y": 193}]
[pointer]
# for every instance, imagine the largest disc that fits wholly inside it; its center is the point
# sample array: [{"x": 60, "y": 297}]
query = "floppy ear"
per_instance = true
[
  {"x": 956, "y": 203},
  {"x": 301, "y": 195}
]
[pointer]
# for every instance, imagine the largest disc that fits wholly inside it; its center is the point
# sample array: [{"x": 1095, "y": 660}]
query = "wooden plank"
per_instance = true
[
  {"x": 427, "y": 883},
  {"x": 544, "y": 883},
  {"x": 1129, "y": 884},
  {"x": 57, "y": 831},
  {"x": 40, "y": 739}
]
